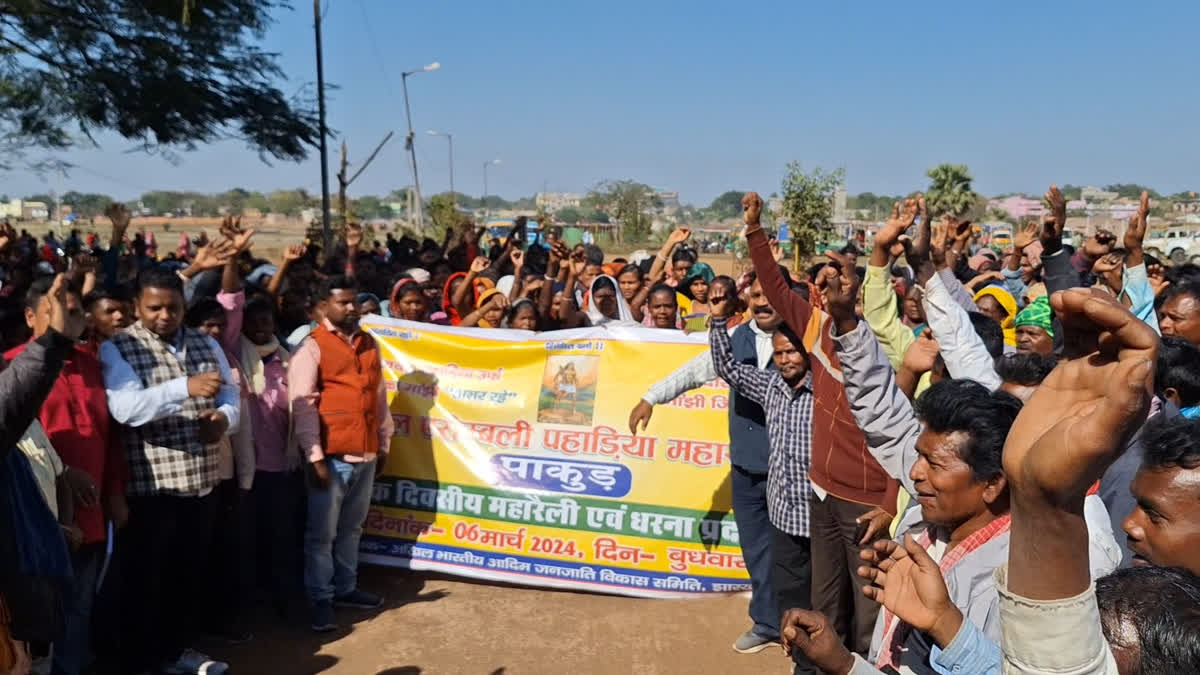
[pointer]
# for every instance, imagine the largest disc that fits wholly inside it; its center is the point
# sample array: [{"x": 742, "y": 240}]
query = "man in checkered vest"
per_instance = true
[{"x": 171, "y": 390}]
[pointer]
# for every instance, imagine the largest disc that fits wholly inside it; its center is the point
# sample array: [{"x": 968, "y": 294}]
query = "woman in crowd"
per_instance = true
[
  {"x": 662, "y": 309},
  {"x": 913, "y": 313},
  {"x": 607, "y": 306},
  {"x": 408, "y": 301},
  {"x": 999, "y": 305},
  {"x": 489, "y": 310},
  {"x": 693, "y": 305},
  {"x": 522, "y": 315}
]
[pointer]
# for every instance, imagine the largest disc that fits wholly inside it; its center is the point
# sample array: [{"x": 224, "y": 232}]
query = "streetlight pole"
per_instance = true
[
  {"x": 487, "y": 210},
  {"x": 328, "y": 234},
  {"x": 450, "y": 138},
  {"x": 412, "y": 150}
]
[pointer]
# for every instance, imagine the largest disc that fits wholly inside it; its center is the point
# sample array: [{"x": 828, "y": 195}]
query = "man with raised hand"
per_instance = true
[
  {"x": 786, "y": 397},
  {"x": 1075, "y": 425},
  {"x": 849, "y": 487},
  {"x": 749, "y": 450},
  {"x": 75, "y": 419}
]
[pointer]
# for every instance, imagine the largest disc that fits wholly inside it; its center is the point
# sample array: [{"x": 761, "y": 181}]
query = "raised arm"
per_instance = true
[
  {"x": 748, "y": 380},
  {"x": 478, "y": 265},
  {"x": 957, "y": 291},
  {"x": 1025, "y": 238},
  {"x": 1074, "y": 426},
  {"x": 794, "y": 309},
  {"x": 1065, "y": 437},
  {"x": 962, "y": 349},
  {"x": 659, "y": 267},
  {"x": 354, "y": 237},
  {"x": 882, "y": 411},
  {"x": 26, "y": 382},
  {"x": 1135, "y": 233},
  {"x": 558, "y": 252},
  {"x": 290, "y": 255},
  {"x": 879, "y": 300},
  {"x": 119, "y": 215},
  {"x": 210, "y": 257},
  {"x": 518, "y": 260},
  {"x": 242, "y": 240}
]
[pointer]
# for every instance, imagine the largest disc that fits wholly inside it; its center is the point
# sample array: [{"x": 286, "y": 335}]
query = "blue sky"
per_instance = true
[{"x": 706, "y": 96}]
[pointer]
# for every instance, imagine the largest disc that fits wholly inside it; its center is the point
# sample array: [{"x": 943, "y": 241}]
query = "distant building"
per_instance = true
[
  {"x": 554, "y": 201},
  {"x": 1122, "y": 211},
  {"x": 1095, "y": 194},
  {"x": 1187, "y": 205},
  {"x": 669, "y": 198},
  {"x": 839, "y": 206},
  {"x": 1018, "y": 207},
  {"x": 19, "y": 209}
]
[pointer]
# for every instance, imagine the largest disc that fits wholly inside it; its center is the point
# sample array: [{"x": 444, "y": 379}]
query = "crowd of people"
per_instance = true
[{"x": 969, "y": 462}]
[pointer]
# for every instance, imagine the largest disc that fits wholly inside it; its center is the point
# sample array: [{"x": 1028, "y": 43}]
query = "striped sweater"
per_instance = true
[{"x": 841, "y": 464}]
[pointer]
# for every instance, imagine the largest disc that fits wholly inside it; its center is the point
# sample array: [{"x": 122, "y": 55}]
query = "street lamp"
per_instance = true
[
  {"x": 450, "y": 138},
  {"x": 487, "y": 210},
  {"x": 412, "y": 151}
]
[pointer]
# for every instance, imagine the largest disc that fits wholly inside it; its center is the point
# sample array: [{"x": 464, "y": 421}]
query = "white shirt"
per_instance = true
[
  {"x": 133, "y": 404},
  {"x": 700, "y": 369}
]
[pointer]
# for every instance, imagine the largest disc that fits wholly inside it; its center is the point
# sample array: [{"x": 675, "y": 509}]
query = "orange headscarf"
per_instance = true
[{"x": 447, "y": 304}]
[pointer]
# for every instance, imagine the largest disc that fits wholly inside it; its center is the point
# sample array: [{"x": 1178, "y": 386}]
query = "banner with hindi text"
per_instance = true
[{"x": 512, "y": 461}]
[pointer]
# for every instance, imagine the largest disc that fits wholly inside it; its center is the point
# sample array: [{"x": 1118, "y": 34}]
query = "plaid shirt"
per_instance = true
[
  {"x": 165, "y": 455},
  {"x": 789, "y": 430}
]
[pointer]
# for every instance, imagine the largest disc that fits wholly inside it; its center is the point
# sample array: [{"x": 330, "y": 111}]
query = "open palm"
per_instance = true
[{"x": 907, "y": 582}]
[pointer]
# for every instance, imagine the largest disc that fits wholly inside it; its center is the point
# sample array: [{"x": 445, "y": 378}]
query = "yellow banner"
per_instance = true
[{"x": 512, "y": 460}]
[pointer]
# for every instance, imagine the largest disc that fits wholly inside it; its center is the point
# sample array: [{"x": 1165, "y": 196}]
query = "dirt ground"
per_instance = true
[{"x": 431, "y": 625}]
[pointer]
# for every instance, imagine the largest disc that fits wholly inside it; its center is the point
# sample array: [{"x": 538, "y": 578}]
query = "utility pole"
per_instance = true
[
  {"x": 412, "y": 152},
  {"x": 344, "y": 182},
  {"x": 409, "y": 142},
  {"x": 321, "y": 121}
]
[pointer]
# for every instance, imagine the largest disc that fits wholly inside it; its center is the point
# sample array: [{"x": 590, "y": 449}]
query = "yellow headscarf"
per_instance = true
[
  {"x": 1009, "y": 304},
  {"x": 483, "y": 300}
]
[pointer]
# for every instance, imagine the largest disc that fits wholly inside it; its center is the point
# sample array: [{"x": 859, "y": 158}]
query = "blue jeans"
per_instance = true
[
  {"x": 754, "y": 533},
  {"x": 335, "y": 523},
  {"x": 71, "y": 651}
]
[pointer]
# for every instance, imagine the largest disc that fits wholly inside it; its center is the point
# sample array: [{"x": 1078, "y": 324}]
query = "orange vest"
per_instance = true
[{"x": 349, "y": 376}]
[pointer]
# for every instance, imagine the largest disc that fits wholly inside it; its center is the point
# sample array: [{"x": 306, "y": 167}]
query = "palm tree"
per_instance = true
[{"x": 950, "y": 189}]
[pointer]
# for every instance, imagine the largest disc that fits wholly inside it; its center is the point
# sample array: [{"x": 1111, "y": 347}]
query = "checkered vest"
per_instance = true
[{"x": 166, "y": 455}]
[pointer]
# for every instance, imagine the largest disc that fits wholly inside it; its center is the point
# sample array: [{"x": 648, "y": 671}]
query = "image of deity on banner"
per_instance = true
[{"x": 568, "y": 393}]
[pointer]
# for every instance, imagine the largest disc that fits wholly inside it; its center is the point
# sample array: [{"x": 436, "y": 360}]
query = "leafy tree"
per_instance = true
[
  {"x": 628, "y": 202},
  {"x": 808, "y": 204},
  {"x": 287, "y": 202},
  {"x": 235, "y": 199},
  {"x": 86, "y": 205},
  {"x": 597, "y": 216},
  {"x": 257, "y": 200},
  {"x": 1072, "y": 192},
  {"x": 950, "y": 190},
  {"x": 569, "y": 215},
  {"x": 1131, "y": 190},
  {"x": 878, "y": 205},
  {"x": 442, "y": 213},
  {"x": 165, "y": 74},
  {"x": 727, "y": 205},
  {"x": 368, "y": 207}
]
